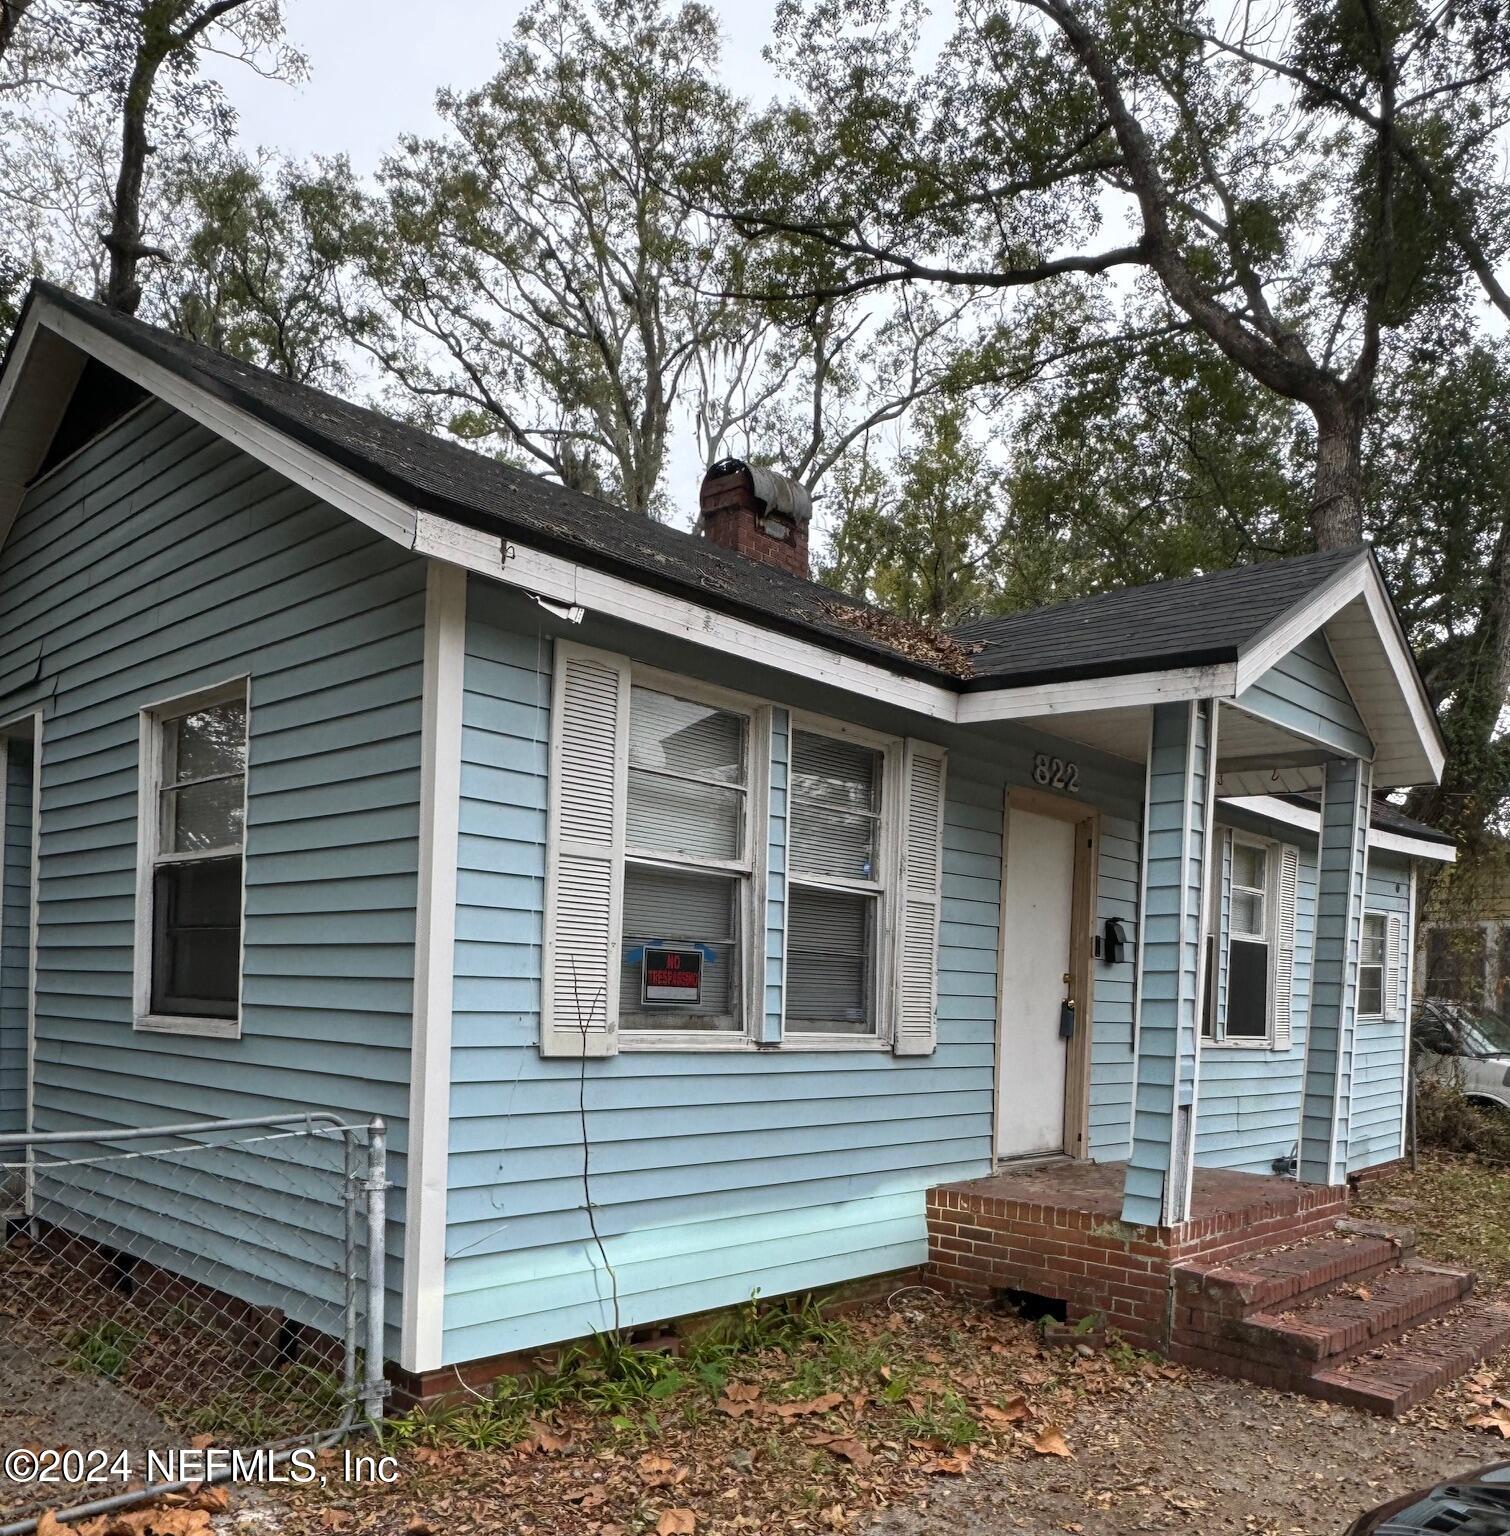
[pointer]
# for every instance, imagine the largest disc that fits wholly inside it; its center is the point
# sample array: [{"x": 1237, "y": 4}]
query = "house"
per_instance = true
[{"x": 693, "y": 927}]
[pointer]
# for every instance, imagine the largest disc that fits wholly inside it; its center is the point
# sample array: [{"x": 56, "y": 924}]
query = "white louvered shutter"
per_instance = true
[
  {"x": 919, "y": 897},
  {"x": 1394, "y": 1003},
  {"x": 584, "y": 854},
  {"x": 1284, "y": 958}
]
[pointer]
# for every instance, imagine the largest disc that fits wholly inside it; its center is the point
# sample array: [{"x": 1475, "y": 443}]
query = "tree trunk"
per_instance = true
[
  {"x": 11, "y": 12},
  {"x": 124, "y": 241},
  {"x": 1337, "y": 499}
]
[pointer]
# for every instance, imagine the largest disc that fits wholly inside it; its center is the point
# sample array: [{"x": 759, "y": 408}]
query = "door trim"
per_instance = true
[{"x": 1077, "y": 1065}]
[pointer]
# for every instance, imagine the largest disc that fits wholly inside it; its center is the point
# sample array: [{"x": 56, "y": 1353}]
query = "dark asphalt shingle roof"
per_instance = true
[
  {"x": 1385, "y": 817},
  {"x": 1201, "y": 620}
]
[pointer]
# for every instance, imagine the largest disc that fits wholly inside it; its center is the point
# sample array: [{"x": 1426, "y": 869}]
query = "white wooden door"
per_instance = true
[{"x": 1036, "y": 929}]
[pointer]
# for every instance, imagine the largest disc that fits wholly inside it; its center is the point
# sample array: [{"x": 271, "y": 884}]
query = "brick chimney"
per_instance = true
[{"x": 756, "y": 512}]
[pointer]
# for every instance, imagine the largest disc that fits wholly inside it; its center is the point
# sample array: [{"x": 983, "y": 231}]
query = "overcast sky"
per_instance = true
[{"x": 375, "y": 66}]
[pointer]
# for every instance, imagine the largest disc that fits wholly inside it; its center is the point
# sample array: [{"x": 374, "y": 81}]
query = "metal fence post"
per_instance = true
[{"x": 374, "y": 1386}]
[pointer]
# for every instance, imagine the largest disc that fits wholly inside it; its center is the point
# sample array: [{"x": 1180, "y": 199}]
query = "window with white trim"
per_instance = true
[
  {"x": 687, "y": 865},
  {"x": 1250, "y": 941},
  {"x": 836, "y": 859},
  {"x": 1371, "y": 958},
  {"x": 192, "y": 841}
]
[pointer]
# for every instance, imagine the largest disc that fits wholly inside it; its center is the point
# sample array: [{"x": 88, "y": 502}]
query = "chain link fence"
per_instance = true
[{"x": 182, "y": 1287}]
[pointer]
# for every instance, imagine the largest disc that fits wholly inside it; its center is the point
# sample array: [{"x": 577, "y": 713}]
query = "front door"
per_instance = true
[{"x": 1033, "y": 1054}]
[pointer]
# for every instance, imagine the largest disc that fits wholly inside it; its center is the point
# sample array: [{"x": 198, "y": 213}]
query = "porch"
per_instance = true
[{"x": 1055, "y": 1230}]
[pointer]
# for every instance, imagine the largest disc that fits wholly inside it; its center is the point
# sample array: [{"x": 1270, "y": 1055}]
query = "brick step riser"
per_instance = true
[
  {"x": 1345, "y": 1340},
  {"x": 1222, "y": 1299},
  {"x": 1288, "y": 1366}
]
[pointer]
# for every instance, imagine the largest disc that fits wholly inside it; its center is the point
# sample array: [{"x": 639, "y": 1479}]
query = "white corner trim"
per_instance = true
[
  {"x": 1272, "y": 808},
  {"x": 1172, "y": 686},
  {"x": 424, "y": 1282}
]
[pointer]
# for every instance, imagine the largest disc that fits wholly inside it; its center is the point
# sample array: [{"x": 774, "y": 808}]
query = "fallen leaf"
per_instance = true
[
  {"x": 1498, "y": 1423},
  {"x": 1051, "y": 1443},
  {"x": 846, "y": 1446},
  {"x": 948, "y": 1466},
  {"x": 676, "y": 1522},
  {"x": 336, "y": 1519},
  {"x": 545, "y": 1441},
  {"x": 1011, "y": 1412},
  {"x": 740, "y": 1398},
  {"x": 824, "y": 1404},
  {"x": 661, "y": 1472},
  {"x": 213, "y": 1498},
  {"x": 50, "y": 1525}
]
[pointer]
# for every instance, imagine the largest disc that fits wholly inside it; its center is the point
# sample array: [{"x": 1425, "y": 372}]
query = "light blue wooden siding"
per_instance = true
[
  {"x": 1377, "y": 1119},
  {"x": 711, "y": 1174},
  {"x": 1168, "y": 1021},
  {"x": 1112, "y": 1061},
  {"x": 775, "y": 912},
  {"x": 15, "y": 934},
  {"x": 1341, "y": 860},
  {"x": 1306, "y": 693},
  {"x": 159, "y": 561},
  {"x": 1249, "y": 1101}
]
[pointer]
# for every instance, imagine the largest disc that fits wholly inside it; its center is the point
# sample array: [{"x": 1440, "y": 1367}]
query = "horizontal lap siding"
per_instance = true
[
  {"x": 1112, "y": 1059},
  {"x": 158, "y": 562},
  {"x": 711, "y": 1175},
  {"x": 1248, "y": 1108},
  {"x": 1377, "y": 1119},
  {"x": 15, "y": 934},
  {"x": 1305, "y": 692}
]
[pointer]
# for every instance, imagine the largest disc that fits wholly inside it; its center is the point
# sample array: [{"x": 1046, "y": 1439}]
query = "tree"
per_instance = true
[
  {"x": 922, "y": 540},
  {"x": 530, "y": 280},
  {"x": 257, "y": 276},
  {"x": 1299, "y": 183},
  {"x": 99, "y": 101}
]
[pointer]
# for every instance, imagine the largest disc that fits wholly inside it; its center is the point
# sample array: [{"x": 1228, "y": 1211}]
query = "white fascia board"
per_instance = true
[
  {"x": 1358, "y": 579},
  {"x": 566, "y": 581},
  {"x": 303, "y": 466},
  {"x": 1276, "y": 642},
  {"x": 1173, "y": 686},
  {"x": 1272, "y": 808}
]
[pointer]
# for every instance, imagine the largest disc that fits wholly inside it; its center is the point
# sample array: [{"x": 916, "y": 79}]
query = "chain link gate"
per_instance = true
[{"x": 212, "y": 1284}]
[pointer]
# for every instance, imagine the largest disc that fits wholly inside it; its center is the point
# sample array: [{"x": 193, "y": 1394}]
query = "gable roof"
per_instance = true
[
  {"x": 1197, "y": 621},
  {"x": 1204, "y": 636}
]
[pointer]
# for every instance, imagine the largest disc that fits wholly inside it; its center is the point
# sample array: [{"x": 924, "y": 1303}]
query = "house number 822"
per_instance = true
[{"x": 1055, "y": 772}]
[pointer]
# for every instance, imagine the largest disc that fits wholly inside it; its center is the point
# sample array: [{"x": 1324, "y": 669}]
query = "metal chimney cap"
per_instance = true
[{"x": 774, "y": 491}]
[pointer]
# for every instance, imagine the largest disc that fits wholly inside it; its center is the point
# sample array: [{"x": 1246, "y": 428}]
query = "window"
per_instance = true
[
  {"x": 193, "y": 833},
  {"x": 1371, "y": 966},
  {"x": 687, "y": 866},
  {"x": 836, "y": 886},
  {"x": 1248, "y": 943}
]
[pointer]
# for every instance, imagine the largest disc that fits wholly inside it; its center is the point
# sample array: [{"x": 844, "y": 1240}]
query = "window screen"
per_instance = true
[
  {"x": 687, "y": 866},
  {"x": 833, "y": 915},
  {"x": 1248, "y": 943},
  {"x": 197, "y": 866},
  {"x": 1371, "y": 966}
]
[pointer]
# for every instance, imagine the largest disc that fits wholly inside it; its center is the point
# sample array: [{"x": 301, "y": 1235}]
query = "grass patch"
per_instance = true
[
  {"x": 103, "y": 1349},
  {"x": 1460, "y": 1209}
]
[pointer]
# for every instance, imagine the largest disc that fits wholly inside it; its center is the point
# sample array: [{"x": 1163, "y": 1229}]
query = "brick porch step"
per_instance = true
[
  {"x": 1331, "y": 1327},
  {"x": 1348, "y": 1315},
  {"x": 1406, "y": 1372},
  {"x": 1287, "y": 1276}
]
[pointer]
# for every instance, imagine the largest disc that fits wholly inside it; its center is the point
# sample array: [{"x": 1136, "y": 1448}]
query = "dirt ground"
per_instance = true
[{"x": 1201, "y": 1455}]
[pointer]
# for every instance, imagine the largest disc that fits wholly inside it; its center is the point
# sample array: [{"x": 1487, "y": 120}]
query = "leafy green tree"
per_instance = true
[
  {"x": 1298, "y": 180},
  {"x": 257, "y": 276}
]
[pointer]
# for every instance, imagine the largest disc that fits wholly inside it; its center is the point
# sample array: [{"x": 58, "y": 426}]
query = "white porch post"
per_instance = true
[
  {"x": 1343, "y": 860},
  {"x": 1177, "y": 820}
]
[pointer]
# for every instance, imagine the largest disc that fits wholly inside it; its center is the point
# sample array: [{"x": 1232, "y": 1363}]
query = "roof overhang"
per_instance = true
[
  {"x": 1272, "y": 808},
  {"x": 47, "y": 354}
]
